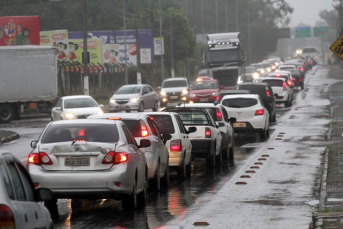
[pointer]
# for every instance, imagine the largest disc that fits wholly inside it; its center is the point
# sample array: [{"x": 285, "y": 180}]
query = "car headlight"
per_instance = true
[
  {"x": 69, "y": 115},
  {"x": 255, "y": 75},
  {"x": 112, "y": 100},
  {"x": 163, "y": 93},
  {"x": 134, "y": 100},
  {"x": 193, "y": 95},
  {"x": 262, "y": 71},
  {"x": 100, "y": 112},
  {"x": 184, "y": 92},
  {"x": 277, "y": 64},
  {"x": 269, "y": 69},
  {"x": 215, "y": 93}
]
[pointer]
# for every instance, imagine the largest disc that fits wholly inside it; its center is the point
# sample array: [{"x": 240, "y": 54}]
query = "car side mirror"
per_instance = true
[
  {"x": 144, "y": 143},
  {"x": 233, "y": 120},
  {"x": 191, "y": 129},
  {"x": 221, "y": 87},
  {"x": 159, "y": 87},
  {"x": 44, "y": 194},
  {"x": 101, "y": 105},
  {"x": 34, "y": 144},
  {"x": 221, "y": 124},
  {"x": 58, "y": 108},
  {"x": 166, "y": 137}
]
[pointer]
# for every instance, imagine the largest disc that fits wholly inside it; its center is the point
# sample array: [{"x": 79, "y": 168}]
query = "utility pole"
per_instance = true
[
  {"x": 171, "y": 48},
  {"x": 216, "y": 16},
  {"x": 85, "y": 51},
  {"x": 126, "y": 77},
  {"x": 162, "y": 43},
  {"x": 237, "y": 28},
  {"x": 138, "y": 53}
]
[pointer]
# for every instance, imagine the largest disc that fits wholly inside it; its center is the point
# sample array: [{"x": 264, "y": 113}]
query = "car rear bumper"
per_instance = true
[
  {"x": 201, "y": 148},
  {"x": 175, "y": 158},
  {"x": 124, "y": 107}
]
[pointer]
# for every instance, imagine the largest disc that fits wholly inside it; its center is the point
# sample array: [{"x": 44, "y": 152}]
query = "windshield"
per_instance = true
[
  {"x": 129, "y": 90},
  {"x": 239, "y": 102},
  {"x": 257, "y": 65},
  {"x": 307, "y": 50},
  {"x": 81, "y": 132},
  {"x": 80, "y": 103},
  {"x": 174, "y": 83},
  {"x": 226, "y": 55},
  {"x": 205, "y": 85},
  {"x": 195, "y": 117},
  {"x": 274, "y": 83},
  {"x": 249, "y": 70}
]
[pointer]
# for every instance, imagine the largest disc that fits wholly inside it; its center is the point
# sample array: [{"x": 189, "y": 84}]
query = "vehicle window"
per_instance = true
[
  {"x": 164, "y": 123},
  {"x": 134, "y": 127},
  {"x": 239, "y": 102},
  {"x": 174, "y": 83},
  {"x": 226, "y": 116},
  {"x": 27, "y": 183},
  {"x": 18, "y": 186},
  {"x": 145, "y": 90},
  {"x": 150, "y": 89},
  {"x": 128, "y": 136},
  {"x": 180, "y": 124},
  {"x": 129, "y": 90},
  {"x": 80, "y": 132},
  {"x": 205, "y": 85},
  {"x": 80, "y": 103},
  {"x": 196, "y": 117},
  {"x": 59, "y": 102},
  {"x": 274, "y": 83},
  {"x": 153, "y": 128},
  {"x": 254, "y": 89},
  {"x": 212, "y": 112},
  {"x": 7, "y": 182}
]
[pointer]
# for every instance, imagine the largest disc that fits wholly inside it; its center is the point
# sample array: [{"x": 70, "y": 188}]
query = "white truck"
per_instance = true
[
  {"x": 28, "y": 76},
  {"x": 224, "y": 58}
]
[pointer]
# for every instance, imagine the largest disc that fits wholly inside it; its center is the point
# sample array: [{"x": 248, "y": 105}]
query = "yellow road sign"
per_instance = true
[{"x": 337, "y": 47}]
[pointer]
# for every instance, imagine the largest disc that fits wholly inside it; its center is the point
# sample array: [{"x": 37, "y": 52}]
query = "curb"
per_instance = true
[{"x": 10, "y": 137}]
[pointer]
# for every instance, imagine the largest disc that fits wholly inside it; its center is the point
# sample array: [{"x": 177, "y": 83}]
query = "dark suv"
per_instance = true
[{"x": 265, "y": 91}]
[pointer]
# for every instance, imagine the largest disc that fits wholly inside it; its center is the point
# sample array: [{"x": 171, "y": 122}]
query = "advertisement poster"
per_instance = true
[
  {"x": 110, "y": 53},
  {"x": 19, "y": 30},
  {"x": 146, "y": 56},
  {"x": 94, "y": 47},
  {"x": 145, "y": 42},
  {"x": 158, "y": 46},
  {"x": 51, "y": 38},
  {"x": 106, "y": 35}
]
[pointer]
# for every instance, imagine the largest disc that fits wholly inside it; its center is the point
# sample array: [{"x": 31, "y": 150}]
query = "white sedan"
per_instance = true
[
  {"x": 75, "y": 107},
  {"x": 283, "y": 93},
  {"x": 250, "y": 114}
]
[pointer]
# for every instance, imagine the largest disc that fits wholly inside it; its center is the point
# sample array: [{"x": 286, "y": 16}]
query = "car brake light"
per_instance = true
[
  {"x": 300, "y": 79},
  {"x": 289, "y": 83},
  {"x": 302, "y": 69},
  {"x": 144, "y": 129},
  {"x": 175, "y": 145},
  {"x": 207, "y": 132},
  {"x": 267, "y": 92},
  {"x": 114, "y": 158},
  {"x": 114, "y": 118},
  {"x": 284, "y": 86},
  {"x": 217, "y": 98},
  {"x": 297, "y": 67},
  {"x": 219, "y": 115},
  {"x": 259, "y": 112},
  {"x": 6, "y": 217},
  {"x": 39, "y": 159},
  {"x": 278, "y": 75}
]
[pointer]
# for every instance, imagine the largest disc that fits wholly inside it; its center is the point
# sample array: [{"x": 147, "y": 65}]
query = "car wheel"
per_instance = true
[
  {"x": 165, "y": 178},
  {"x": 155, "y": 108},
  {"x": 189, "y": 168},
  {"x": 274, "y": 118},
  {"x": 6, "y": 113},
  {"x": 211, "y": 159},
  {"x": 141, "y": 107},
  {"x": 226, "y": 152},
  {"x": 130, "y": 202},
  {"x": 142, "y": 196},
  {"x": 231, "y": 152},
  {"x": 182, "y": 169},
  {"x": 157, "y": 178},
  {"x": 219, "y": 157},
  {"x": 51, "y": 205}
]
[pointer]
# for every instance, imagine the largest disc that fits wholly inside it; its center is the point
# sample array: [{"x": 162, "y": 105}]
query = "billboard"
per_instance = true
[
  {"x": 94, "y": 47},
  {"x": 106, "y": 35},
  {"x": 19, "y": 30},
  {"x": 158, "y": 46},
  {"x": 51, "y": 38},
  {"x": 145, "y": 42}
]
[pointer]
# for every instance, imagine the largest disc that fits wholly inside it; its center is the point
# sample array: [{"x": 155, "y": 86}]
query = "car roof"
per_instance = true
[
  {"x": 252, "y": 83},
  {"x": 177, "y": 78},
  {"x": 207, "y": 80},
  {"x": 273, "y": 78},
  {"x": 76, "y": 96},
  {"x": 83, "y": 121},
  {"x": 254, "y": 96},
  {"x": 135, "y": 85},
  {"x": 3, "y": 152},
  {"x": 138, "y": 115},
  {"x": 198, "y": 105},
  {"x": 160, "y": 113},
  {"x": 235, "y": 91}
]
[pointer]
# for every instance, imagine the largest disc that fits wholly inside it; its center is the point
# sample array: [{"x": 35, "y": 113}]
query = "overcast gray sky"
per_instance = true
[{"x": 307, "y": 11}]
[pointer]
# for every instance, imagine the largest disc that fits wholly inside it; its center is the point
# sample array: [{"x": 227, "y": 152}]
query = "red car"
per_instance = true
[{"x": 204, "y": 91}]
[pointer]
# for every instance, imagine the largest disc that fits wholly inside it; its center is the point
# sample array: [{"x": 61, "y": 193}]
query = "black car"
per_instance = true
[
  {"x": 265, "y": 91},
  {"x": 298, "y": 78}
]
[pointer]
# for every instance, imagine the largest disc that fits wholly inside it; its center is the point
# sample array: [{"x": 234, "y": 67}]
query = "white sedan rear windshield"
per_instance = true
[
  {"x": 240, "y": 102},
  {"x": 195, "y": 117},
  {"x": 81, "y": 132},
  {"x": 274, "y": 83}
]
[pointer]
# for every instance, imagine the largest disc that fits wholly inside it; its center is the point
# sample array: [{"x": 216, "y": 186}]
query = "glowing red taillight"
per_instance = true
[
  {"x": 175, "y": 145},
  {"x": 259, "y": 112},
  {"x": 144, "y": 129},
  {"x": 217, "y": 98},
  {"x": 284, "y": 86},
  {"x": 114, "y": 158},
  {"x": 302, "y": 69},
  {"x": 289, "y": 83},
  {"x": 6, "y": 217},
  {"x": 219, "y": 115},
  {"x": 267, "y": 92},
  {"x": 39, "y": 159},
  {"x": 207, "y": 132}
]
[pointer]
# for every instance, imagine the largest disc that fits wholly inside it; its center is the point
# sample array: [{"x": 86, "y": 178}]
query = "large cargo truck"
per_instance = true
[
  {"x": 28, "y": 77},
  {"x": 224, "y": 58}
]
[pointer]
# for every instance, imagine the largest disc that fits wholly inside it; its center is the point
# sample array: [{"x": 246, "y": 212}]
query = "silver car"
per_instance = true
[
  {"x": 20, "y": 205},
  {"x": 75, "y": 107},
  {"x": 82, "y": 159},
  {"x": 134, "y": 97},
  {"x": 141, "y": 127}
]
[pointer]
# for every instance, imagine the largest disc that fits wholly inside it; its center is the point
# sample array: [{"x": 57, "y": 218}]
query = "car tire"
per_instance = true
[
  {"x": 51, "y": 205},
  {"x": 211, "y": 159},
  {"x": 182, "y": 170},
  {"x": 141, "y": 198},
  {"x": 155, "y": 108},
  {"x": 157, "y": 178},
  {"x": 6, "y": 113},
  {"x": 219, "y": 158},
  {"x": 130, "y": 202},
  {"x": 232, "y": 152},
  {"x": 226, "y": 152},
  {"x": 274, "y": 118},
  {"x": 189, "y": 168},
  {"x": 165, "y": 178},
  {"x": 141, "y": 107}
]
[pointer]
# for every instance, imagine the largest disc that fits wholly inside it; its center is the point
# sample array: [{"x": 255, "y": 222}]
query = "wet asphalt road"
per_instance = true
[{"x": 160, "y": 206}]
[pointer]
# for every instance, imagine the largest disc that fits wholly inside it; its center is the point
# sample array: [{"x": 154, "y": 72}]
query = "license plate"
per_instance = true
[
  {"x": 74, "y": 161},
  {"x": 174, "y": 97},
  {"x": 239, "y": 124},
  {"x": 122, "y": 106},
  {"x": 203, "y": 100}
]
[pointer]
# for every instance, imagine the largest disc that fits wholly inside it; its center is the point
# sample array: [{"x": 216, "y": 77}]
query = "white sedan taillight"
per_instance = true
[
  {"x": 259, "y": 112},
  {"x": 175, "y": 145}
]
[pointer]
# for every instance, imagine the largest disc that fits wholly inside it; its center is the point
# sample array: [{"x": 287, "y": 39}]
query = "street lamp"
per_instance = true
[
  {"x": 249, "y": 31},
  {"x": 162, "y": 63}
]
